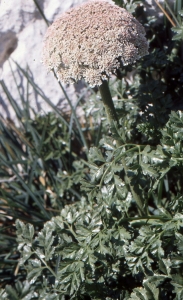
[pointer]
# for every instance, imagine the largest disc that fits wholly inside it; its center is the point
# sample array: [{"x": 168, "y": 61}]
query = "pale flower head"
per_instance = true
[{"x": 91, "y": 41}]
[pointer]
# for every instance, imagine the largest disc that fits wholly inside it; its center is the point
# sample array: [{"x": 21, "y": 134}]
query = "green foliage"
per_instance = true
[
  {"x": 40, "y": 170},
  {"x": 94, "y": 250},
  {"x": 79, "y": 231},
  {"x": 128, "y": 5}
]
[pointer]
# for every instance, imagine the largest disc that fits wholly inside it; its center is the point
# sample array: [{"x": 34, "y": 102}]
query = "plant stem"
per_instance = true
[
  {"x": 108, "y": 103},
  {"x": 112, "y": 117},
  {"x": 146, "y": 218}
]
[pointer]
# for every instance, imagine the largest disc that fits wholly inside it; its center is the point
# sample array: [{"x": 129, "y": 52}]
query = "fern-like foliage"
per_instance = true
[{"x": 97, "y": 248}]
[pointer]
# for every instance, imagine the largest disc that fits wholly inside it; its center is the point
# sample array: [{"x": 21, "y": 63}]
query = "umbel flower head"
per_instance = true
[{"x": 91, "y": 41}]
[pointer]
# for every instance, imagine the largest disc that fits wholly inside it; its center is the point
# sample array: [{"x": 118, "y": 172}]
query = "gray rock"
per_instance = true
[{"x": 22, "y": 30}]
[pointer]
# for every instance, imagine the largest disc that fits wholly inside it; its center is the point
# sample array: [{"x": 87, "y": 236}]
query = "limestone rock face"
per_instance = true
[{"x": 22, "y": 29}]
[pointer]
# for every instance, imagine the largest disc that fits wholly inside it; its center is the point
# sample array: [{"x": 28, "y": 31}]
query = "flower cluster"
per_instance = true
[{"x": 91, "y": 41}]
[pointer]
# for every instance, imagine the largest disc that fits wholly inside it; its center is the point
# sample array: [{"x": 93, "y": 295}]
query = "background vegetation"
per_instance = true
[{"x": 78, "y": 234}]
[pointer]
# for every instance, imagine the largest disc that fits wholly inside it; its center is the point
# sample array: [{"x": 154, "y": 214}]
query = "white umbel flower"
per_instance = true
[{"x": 91, "y": 41}]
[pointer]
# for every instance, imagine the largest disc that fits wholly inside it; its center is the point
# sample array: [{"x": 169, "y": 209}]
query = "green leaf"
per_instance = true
[
  {"x": 177, "y": 282},
  {"x": 151, "y": 290},
  {"x": 27, "y": 252},
  {"x": 96, "y": 155},
  {"x": 179, "y": 33},
  {"x": 11, "y": 293},
  {"x": 72, "y": 274},
  {"x": 34, "y": 274}
]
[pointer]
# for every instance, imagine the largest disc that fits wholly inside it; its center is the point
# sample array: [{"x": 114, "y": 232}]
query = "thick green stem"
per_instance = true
[
  {"x": 108, "y": 103},
  {"x": 112, "y": 116}
]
